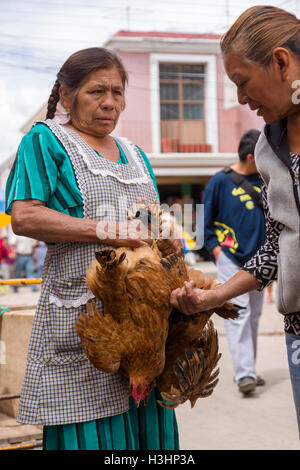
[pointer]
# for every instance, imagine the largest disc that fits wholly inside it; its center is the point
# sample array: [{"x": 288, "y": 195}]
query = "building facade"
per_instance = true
[{"x": 179, "y": 98}]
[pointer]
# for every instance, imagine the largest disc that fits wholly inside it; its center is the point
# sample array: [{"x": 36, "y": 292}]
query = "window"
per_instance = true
[
  {"x": 182, "y": 110},
  {"x": 181, "y": 91}
]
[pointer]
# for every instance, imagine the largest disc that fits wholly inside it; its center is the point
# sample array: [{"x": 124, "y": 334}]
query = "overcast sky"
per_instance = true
[{"x": 37, "y": 36}]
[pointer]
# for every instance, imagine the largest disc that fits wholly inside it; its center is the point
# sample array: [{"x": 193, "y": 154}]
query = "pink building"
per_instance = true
[
  {"x": 181, "y": 108},
  {"x": 179, "y": 98}
]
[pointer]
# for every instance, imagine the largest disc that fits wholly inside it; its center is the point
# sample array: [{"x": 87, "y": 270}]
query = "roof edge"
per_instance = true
[{"x": 165, "y": 34}]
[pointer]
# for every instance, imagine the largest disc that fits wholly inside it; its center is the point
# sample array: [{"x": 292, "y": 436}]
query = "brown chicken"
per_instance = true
[
  {"x": 140, "y": 334},
  {"x": 135, "y": 335},
  {"x": 135, "y": 287}
]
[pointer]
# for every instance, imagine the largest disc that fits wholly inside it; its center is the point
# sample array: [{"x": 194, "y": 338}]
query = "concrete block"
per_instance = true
[
  {"x": 15, "y": 330},
  {"x": 14, "y": 433}
]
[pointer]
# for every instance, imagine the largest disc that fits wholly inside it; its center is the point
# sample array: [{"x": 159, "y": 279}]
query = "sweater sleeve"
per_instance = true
[
  {"x": 263, "y": 265},
  {"x": 210, "y": 202}
]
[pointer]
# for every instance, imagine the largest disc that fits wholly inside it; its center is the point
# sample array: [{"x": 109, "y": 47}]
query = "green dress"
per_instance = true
[
  {"x": 43, "y": 171},
  {"x": 149, "y": 427}
]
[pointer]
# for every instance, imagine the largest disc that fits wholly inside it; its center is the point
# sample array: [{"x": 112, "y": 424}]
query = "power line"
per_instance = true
[
  {"x": 45, "y": 38},
  {"x": 133, "y": 5},
  {"x": 133, "y": 10},
  {"x": 29, "y": 67},
  {"x": 26, "y": 55},
  {"x": 42, "y": 12},
  {"x": 124, "y": 11},
  {"x": 47, "y": 22}
]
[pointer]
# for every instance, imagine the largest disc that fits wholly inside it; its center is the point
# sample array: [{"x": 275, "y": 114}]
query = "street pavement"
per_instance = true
[{"x": 228, "y": 420}]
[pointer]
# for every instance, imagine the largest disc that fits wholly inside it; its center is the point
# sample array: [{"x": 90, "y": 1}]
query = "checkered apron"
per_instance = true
[{"x": 61, "y": 385}]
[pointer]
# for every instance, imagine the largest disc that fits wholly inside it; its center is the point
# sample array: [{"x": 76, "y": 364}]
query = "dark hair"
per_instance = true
[
  {"x": 77, "y": 67},
  {"x": 247, "y": 144}
]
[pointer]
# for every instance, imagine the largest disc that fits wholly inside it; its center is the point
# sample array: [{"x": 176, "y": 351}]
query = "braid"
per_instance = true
[{"x": 53, "y": 100}]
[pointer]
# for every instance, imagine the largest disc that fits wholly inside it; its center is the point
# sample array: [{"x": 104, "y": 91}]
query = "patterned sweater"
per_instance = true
[{"x": 263, "y": 265}]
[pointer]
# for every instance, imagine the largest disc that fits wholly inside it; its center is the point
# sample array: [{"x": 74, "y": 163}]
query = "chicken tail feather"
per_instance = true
[
  {"x": 195, "y": 374},
  {"x": 228, "y": 310}
]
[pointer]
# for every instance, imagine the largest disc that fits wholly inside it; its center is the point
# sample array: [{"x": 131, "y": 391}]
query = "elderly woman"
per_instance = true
[
  {"x": 261, "y": 54},
  {"x": 69, "y": 175}
]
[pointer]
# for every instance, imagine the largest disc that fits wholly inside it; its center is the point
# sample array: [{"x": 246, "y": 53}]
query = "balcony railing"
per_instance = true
[{"x": 170, "y": 145}]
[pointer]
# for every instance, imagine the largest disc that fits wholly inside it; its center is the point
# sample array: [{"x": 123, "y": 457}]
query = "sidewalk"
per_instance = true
[
  {"x": 16, "y": 434},
  {"x": 227, "y": 420},
  {"x": 264, "y": 420}
]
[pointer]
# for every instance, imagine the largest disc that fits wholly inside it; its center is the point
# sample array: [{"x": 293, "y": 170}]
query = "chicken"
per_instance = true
[
  {"x": 135, "y": 288},
  {"x": 140, "y": 334},
  {"x": 192, "y": 351}
]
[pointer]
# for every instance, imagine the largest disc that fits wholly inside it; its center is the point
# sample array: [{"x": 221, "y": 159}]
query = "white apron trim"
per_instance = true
[
  {"x": 69, "y": 303},
  {"x": 143, "y": 179}
]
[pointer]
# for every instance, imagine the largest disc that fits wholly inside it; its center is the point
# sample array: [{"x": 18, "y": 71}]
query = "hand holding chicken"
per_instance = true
[{"x": 141, "y": 334}]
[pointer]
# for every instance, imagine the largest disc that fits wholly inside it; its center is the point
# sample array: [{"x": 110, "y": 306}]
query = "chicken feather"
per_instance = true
[{"x": 191, "y": 375}]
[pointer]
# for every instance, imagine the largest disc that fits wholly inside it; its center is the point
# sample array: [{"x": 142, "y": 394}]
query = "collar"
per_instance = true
[{"x": 276, "y": 135}]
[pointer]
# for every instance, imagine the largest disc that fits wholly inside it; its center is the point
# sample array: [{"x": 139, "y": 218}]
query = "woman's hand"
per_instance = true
[{"x": 189, "y": 299}]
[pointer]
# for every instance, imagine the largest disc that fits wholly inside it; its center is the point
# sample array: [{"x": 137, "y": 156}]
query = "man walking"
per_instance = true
[{"x": 234, "y": 230}]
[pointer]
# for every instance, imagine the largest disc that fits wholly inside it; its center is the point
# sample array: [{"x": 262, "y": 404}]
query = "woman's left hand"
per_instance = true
[{"x": 189, "y": 299}]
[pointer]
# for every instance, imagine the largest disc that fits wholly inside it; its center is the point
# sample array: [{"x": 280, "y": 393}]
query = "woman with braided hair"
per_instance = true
[{"x": 69, "y": 175}]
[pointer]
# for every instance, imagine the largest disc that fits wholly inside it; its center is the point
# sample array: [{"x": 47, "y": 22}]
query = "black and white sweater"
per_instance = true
[{"x": 263, "y": 265}]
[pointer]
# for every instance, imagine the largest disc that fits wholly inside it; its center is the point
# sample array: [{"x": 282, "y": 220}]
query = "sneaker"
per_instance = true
[
  {"x": 246, "y": 384},
  {"x": 260, "y": 381}
]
